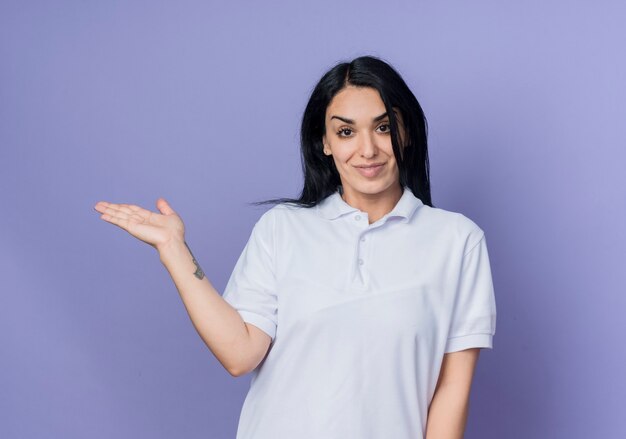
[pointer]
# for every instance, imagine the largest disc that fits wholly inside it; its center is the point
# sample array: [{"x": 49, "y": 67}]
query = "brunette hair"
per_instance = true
[{"x": 321, "y": 178}]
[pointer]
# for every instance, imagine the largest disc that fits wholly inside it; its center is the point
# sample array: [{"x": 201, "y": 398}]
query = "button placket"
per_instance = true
[
  {"x": 357, "y": 276},
  {"x": 361, "y": 247},
  {"x": 361, "y": 252}
]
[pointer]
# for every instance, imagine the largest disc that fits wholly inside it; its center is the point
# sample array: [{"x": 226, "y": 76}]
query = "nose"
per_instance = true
[{"x": 368, "y": 146}]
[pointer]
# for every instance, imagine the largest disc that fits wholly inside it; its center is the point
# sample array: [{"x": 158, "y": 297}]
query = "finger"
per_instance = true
[
  {"x": 125, "y": 215},
  {"x": 106, "y": 204},
  {"x": 164, "y": 207},
  {"x": 119, "y": 213},
  {"x": 122, "y": 219},
  {"x": 101, "y": 206},
  {"x": 118, "y": 221},
  {"x": 125, "y": 208},
  {"x": 129, "y": 209}
]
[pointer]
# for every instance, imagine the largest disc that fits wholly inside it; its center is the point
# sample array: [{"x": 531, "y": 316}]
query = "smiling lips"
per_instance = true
[{"x": 370, "y": 170}]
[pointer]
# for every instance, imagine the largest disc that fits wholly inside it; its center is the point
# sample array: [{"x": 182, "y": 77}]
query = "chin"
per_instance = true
[{"x": 372, "y": 188}]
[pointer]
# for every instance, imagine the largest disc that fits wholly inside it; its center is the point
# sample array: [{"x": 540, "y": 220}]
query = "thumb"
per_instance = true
[{"x": 164, "y": 207}]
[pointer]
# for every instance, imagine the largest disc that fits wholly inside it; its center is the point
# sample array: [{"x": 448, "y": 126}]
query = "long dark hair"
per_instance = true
[{"x": 321, "y": 178}]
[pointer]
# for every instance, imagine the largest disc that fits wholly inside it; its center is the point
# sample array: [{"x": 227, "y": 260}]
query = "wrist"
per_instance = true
[{"x": 175, "y": 247}]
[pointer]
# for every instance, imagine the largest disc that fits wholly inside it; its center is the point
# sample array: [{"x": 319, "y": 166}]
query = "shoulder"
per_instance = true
[
  {"x": 282, "y": 215},
  {"x": 457, "y": 226}
]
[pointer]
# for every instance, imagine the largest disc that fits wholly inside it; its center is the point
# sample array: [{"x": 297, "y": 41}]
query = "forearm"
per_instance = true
[
  {"x": 219, "y": 324},
  {"x": 448, "y": 412}
]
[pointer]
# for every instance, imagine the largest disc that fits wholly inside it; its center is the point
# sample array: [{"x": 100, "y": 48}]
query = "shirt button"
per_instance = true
[
  {"x": 358, "y": 217},
  {"x": 360, "y": 261},
  {"x": 363, "y": 238}
]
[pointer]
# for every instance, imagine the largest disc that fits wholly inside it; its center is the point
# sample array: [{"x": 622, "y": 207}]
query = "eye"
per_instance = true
[
  {"x": 384, "y": 128},
  {"x": 344, "y": 132}
]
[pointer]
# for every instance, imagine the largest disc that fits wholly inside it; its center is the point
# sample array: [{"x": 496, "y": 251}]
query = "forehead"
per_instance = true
[{"x": 356, "y": 103}]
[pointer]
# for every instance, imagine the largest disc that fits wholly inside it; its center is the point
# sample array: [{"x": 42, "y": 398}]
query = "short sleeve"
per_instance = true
[
  {"x": 473, "y": 322},
  {"x": 251, "y": 288}
]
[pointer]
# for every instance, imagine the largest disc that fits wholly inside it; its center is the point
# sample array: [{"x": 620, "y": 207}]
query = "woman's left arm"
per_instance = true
[{"x": 447, "y": 413}]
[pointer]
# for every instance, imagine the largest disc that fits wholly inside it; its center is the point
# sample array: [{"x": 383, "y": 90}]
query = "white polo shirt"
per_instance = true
[{"x": 360, "y": 316}]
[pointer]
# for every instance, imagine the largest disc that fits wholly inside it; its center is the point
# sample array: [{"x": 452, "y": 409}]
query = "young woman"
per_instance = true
[{"x": 360, "y": 308}]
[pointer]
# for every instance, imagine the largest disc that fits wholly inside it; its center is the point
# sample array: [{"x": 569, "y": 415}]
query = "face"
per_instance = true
[{"x": 358, "y": 136}]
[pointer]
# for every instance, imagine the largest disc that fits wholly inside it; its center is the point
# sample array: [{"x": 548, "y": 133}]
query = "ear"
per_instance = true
[{"x": 326, "y": 147}]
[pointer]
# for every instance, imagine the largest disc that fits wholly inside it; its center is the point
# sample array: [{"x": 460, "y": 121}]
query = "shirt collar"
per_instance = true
[{"x": 334, "y": 206}]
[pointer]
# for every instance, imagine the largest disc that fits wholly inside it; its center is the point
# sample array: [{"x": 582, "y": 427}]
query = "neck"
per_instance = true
[{"x": 375, "y": 205}]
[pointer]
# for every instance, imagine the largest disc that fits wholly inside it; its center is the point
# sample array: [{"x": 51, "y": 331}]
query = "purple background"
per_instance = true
[{"x": 200, "y": 102}]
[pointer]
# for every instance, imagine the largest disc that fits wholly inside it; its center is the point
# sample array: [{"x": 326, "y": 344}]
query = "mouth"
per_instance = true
[{"x": 370, "y": 170}]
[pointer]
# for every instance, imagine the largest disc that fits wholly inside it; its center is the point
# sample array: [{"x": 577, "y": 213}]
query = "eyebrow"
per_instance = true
[{"x": 346, "y": 120}]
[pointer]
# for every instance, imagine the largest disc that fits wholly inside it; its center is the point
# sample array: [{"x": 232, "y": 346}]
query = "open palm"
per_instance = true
[{"x": 156, "y": 229}]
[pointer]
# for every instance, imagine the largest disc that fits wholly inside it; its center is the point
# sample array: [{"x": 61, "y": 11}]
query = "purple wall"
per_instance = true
[{"x": 200, "y": 103}]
